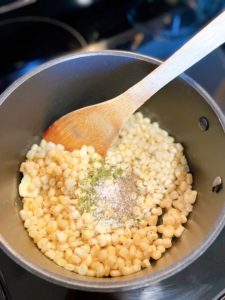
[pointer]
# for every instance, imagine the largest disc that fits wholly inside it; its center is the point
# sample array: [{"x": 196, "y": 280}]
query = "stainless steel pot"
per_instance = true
[{"x": 33, "y": 102}]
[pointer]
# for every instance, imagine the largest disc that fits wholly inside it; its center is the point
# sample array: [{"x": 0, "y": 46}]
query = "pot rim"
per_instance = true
[{"x": 129, "y": 284}]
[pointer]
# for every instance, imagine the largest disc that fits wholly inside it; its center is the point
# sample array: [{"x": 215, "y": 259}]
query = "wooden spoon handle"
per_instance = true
[{"x": 205, "y": 41}]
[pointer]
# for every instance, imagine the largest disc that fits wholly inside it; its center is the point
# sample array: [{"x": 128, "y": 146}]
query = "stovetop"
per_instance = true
[
  {"x": 126, "y": 28},
  {"x": 41, "y": 31}
]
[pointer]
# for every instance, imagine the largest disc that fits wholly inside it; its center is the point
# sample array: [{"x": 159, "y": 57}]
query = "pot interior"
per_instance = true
[{"x": 89, "y": 79}]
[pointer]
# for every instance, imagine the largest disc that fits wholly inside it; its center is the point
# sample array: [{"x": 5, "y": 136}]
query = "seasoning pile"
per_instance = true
[{"x": 108, "y": 216}]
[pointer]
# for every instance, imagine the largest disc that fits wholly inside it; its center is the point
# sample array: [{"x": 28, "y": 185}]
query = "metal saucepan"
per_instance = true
[{"x": 33, "y": 102}]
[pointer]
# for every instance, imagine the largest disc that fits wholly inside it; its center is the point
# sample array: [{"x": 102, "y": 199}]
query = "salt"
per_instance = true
[{"x": 114, "y": 202}]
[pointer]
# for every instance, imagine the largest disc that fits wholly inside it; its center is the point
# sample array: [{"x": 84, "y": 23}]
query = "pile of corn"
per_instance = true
[{"x": 60, "y": 203}]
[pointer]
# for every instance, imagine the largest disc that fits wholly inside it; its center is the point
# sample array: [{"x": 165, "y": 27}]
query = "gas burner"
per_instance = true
[{"x": 27, "y": 42}]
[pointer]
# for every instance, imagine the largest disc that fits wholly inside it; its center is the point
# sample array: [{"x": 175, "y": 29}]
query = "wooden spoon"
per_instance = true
[{"x": 99, "y": 125}]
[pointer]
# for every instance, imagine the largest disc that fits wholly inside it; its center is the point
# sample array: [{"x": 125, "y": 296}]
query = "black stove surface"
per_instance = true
[
  {"x": 152, "y": 34},
  {"x": 42, "y": 31}
]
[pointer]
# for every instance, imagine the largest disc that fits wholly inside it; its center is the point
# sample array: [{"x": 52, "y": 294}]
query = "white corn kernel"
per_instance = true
[
  {"x": 61, "y": 236},
  {"x": 82, "y": 269},
  {"x": 178, "y": 231}
]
